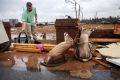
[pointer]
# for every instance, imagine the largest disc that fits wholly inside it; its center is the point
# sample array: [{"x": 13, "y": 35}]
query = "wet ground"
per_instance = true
[{"x": 26, "y": 66}]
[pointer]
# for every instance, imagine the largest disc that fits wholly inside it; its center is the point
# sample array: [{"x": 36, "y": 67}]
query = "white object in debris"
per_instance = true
[
  {"x": 3, "y": 34},
  {"x": 114, "y": 60},
  {"x": 113, "y": 50}
]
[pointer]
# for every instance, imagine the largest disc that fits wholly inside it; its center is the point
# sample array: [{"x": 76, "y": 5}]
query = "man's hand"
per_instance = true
[
  {"x": 23, "y": 27},
  {"x": 22, "y": 31}
]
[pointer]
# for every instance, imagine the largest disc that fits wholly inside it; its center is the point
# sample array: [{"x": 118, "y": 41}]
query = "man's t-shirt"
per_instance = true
[{"x": 29, "y": 16}]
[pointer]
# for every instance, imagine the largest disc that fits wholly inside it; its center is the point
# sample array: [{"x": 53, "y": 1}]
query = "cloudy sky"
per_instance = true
[{"x": 49, "y": 10}]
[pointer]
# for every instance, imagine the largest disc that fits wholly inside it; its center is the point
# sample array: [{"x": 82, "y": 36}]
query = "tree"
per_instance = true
[{"x": 77, "y": 12}]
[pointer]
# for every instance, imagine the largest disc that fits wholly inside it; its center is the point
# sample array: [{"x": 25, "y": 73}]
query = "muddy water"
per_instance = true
[{"x": 22, "y": 63}]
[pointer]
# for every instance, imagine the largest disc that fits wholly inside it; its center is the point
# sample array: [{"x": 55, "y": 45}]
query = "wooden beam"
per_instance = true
[
  {"x": 102, "y": 63},
  {"x": 104, "y": 39}
]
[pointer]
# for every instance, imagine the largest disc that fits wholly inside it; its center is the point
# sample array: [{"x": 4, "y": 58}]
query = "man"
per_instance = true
[{"x": 29, "y": 18}]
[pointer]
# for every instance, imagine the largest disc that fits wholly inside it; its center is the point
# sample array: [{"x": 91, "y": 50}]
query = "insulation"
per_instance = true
[{"x": 112, "y": 50}]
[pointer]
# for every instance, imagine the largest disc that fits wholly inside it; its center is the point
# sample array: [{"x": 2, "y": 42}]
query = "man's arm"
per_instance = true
[{"x": 23, "y": 26}]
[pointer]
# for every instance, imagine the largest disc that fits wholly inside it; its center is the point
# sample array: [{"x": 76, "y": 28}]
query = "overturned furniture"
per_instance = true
[{"x": 66, "y": 25}]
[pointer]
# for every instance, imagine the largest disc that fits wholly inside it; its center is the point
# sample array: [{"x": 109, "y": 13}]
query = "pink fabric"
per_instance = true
[{"x": 40, "y": 46}]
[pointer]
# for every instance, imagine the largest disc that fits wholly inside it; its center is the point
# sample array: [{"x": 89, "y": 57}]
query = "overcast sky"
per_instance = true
[{"x": 49, "y": 10}]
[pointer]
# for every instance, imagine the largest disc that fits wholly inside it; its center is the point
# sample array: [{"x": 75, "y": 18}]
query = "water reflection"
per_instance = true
[
  {"x": 31, "y": 63},
  {"x": 20, "y": 63}
]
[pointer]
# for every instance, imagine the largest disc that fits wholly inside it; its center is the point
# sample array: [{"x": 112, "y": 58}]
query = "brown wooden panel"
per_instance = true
[
  {"x": 72, "y": 31},
  {"x": 104, "y": 33},
  {"x": 66, "y": 25},
  {"x": 66, "y": 22},
  {"x": 104, "y": 39},
  {"x": 8, "y": 29}
]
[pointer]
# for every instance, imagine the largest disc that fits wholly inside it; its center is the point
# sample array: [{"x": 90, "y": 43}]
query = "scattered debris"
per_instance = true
[{"x": 112, "y": 50}]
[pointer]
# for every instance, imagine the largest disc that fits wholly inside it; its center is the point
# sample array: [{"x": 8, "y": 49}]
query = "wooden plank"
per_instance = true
[
  {"x": 66, "y": 22},
  {"x": 102, "y": 33},
  {"x": 31, "y": 50},
  {"x": 23, "y": 45},
  {"x": 117, "y": 29},
  {"x": 104, "y": 39},
  {"x": 102, "y": 63}
]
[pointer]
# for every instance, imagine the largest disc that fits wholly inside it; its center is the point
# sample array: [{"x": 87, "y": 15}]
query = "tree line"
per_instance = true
[{"x": 104, "y": 20}]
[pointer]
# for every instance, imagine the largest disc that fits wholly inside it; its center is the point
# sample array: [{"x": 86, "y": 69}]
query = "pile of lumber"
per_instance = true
[{"x": 34, "y": 48}]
